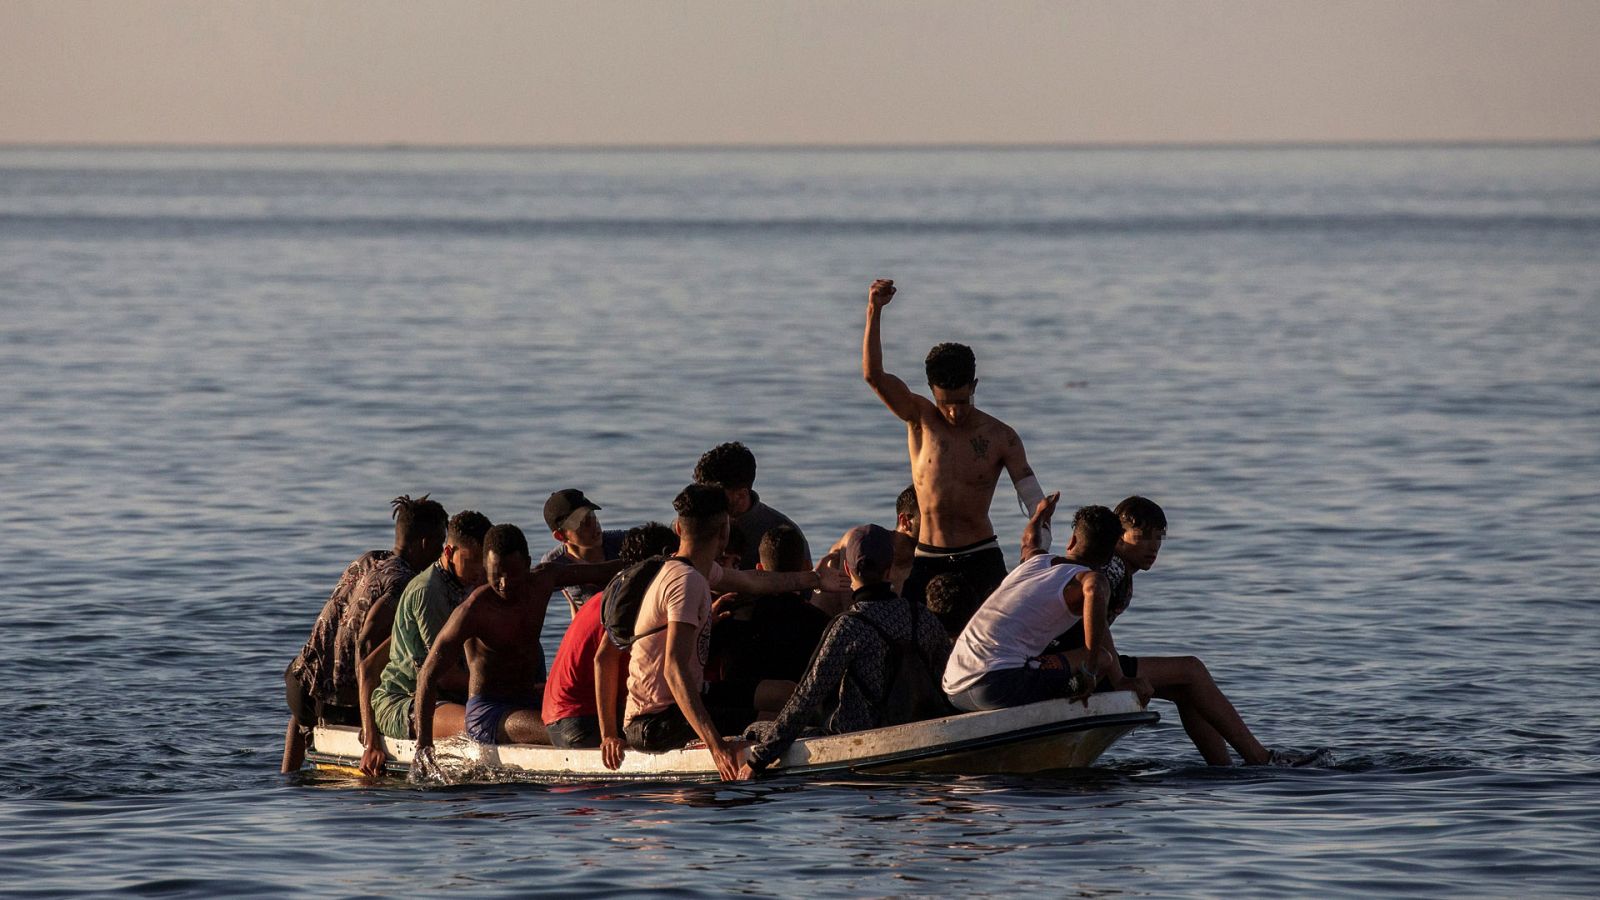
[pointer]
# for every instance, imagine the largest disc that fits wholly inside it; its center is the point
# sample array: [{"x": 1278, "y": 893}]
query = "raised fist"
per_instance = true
[{"x": 881, "y": 292}]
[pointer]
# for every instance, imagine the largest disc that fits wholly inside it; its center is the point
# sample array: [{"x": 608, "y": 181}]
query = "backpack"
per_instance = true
[
  {"x": 911, "y": 690},
  {"x": 624, "y": 594}
]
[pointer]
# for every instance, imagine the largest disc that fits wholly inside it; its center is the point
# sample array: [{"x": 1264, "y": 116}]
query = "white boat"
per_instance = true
[{"x": 1039, "y": 737}]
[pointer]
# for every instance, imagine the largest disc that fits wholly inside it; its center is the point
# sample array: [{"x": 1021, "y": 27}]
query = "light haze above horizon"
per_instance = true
[{"x": 879, "y": 72}]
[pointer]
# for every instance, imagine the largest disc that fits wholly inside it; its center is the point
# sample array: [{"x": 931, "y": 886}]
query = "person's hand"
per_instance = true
[
  {"x": 1141, "y": 686},
  {"x": 1046, "y": 508},
  {"x": 1085, "y": 686},
  {"x": 881, "y": 292},
  {"x": 723, "y": 606},
  {"x": 745, "y": 772},
  {"x": 612, "y": 750},
  {"x": 726, "y": 755},
  {"x": 424, "y": 768},
  {"x": 831, "y": 576},
  {"x": 372, "y": 760}
]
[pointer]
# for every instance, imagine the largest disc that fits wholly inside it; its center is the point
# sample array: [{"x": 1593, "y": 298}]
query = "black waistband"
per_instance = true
[{"x": 951, "y": 551}]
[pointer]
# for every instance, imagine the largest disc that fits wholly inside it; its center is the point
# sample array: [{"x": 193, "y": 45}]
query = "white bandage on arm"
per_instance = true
[{"x": 1029, "y": 496}]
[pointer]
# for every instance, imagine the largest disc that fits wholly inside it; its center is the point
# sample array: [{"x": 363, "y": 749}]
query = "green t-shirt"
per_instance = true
[{"x": 425, "y": 605}]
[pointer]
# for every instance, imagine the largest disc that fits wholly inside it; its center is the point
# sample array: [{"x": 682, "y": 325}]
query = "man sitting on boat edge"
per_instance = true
[
  {"x": 424, "y": 607},
  {"x": 1208, "y": 717},
  {"x": 499, "y": 626},
  {"x": 999, "y": 659},
  {"x": 665, "y": 709},
  {"x": 322, "y": 681},
  {"x": 857, "y": 668}
]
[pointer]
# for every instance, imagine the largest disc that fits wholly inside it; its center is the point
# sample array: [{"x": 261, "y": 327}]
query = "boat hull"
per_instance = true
[{"x": 1046, "y": 736}]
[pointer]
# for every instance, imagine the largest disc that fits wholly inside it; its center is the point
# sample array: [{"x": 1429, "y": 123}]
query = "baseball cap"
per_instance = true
[{"x": 562, "y": 504}]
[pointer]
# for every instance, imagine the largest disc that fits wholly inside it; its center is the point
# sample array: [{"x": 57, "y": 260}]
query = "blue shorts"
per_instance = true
[{"x": 484, "y": 715}]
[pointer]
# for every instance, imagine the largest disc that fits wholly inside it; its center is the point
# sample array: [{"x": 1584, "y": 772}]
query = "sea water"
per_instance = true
[{"x": 1363, "y": 382}]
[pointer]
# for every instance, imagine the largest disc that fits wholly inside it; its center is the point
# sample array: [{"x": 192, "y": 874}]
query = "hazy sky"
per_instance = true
[{"x": 864, "y": 71}]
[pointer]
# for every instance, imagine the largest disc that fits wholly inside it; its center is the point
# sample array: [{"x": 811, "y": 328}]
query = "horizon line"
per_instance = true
[{"x": 409, "y": 146}]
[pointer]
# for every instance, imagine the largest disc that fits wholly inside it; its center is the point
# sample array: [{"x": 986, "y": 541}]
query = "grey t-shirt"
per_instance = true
[{"x": 754, "y": 525}]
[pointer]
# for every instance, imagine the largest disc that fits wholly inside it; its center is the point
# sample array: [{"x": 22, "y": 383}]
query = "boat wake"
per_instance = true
[{"x": 453, "y": 761}]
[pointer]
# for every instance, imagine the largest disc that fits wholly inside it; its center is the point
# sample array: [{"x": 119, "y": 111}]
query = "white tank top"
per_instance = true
[{"x": 1023, "y": 615}]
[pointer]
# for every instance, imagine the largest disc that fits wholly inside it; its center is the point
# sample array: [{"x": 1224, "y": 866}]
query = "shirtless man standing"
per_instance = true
[
  {"x": 499, "y": 628},
  {"x": 957, "y": 454}
]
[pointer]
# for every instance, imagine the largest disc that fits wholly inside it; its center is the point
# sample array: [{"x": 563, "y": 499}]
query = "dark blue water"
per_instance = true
[{"x": 1364, "y": 383}]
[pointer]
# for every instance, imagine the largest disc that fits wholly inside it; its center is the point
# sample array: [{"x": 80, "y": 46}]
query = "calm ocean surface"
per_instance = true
[{"x": 1364, "y": 383}]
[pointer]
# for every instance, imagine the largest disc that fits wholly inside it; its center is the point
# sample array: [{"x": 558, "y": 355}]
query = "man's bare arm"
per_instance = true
[
  {"x": 824, "y": 577},
  {"x": 1100, "y": 650},
  {"x": 367, "y": 675},
  {"x": 681, "y": 656},
  {"x": 560, "y": 575},
  {"x": 1034, "y": 541},
  {"x": 608, "y": 680},
  {"x": 1015, "y": 458},
  {"x": 889, "y": 388},
  {"x": 447, "y": 647}
]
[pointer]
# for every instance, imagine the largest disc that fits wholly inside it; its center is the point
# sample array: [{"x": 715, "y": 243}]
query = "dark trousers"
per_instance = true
[
  {"x": 575, "y": 732},
  {"x": 659, "y": 732}
]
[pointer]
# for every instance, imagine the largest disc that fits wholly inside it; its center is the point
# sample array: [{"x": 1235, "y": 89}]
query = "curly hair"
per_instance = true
[
  {"x": 949, "y": 592},
  {"x": 1097, "y": 530},
  {"x": 419, "y": 518},
  {"x": 951, "y": 366},
  {"x": 730, "y": 466},
  {"x": 698, "y": 507},
  {"x": 504, "y": 541},
  {"x": 647, "y": 540}
]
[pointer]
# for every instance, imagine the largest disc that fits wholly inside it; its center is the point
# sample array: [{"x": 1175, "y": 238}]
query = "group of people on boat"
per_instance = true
[{"x": 721, "y": 629}]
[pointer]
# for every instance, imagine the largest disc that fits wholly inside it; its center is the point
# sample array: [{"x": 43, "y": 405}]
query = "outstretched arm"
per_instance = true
[
  {"x": 560, "y": 575},
  {"x": 825, "y": 577},
  {"x": 1036, "y": 535},
  {"x": 890, "y": 389}
]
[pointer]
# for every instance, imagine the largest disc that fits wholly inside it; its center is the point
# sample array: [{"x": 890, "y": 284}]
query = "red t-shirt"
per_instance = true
[{"x": 569, "y": 691}]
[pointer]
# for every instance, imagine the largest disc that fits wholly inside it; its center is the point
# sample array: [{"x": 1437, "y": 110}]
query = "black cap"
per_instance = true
[{"x": 564, "y": 503}]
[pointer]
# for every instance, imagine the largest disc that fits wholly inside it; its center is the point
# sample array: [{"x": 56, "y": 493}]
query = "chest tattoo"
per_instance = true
[{"x": 980, "y": 446}]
